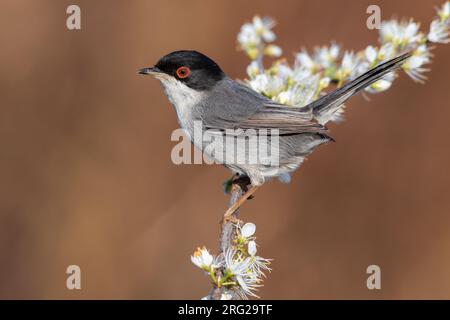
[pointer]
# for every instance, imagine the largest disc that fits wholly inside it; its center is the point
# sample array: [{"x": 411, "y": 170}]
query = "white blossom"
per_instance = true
[
  {"x": 414, "y": 65},
  {"x": 300, "y": 74},
  {"x": 248, "y": 283},
  {"x": 327, "y": 56},
  {"x": 382, "y": 84},
  {"x": 253, "y": 69},
  {"x": 444, "y": 11},
  {"x": 253, "y": 35},
  {"x": 263, "y": 28},
  {"x": 349, "y": 61},
  {"x": 235, "y": 266},
  {"x": 289, "y": 97},
  {"x": 386, "y": 52},
  {"x": 348, "y": 67},
  {"x": 267, "y": 84},
  {"x": 283, "y": 71},
  {"x": 202, "y": 258},
  {"x": 371, "y": 55},
  {"x": 258, "y": 265},
  {"x": 301, "y": 93},
  {"x": 439, "y": 32},
  {"x": 304, "y": 60},
  {"x": 248, "y": 36},
  {"x": 241, "y": 270},
  {"x": 400, "y": 34}
]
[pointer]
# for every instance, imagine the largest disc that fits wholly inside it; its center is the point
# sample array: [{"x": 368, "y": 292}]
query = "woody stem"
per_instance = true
[{"x": 227, "y": 232}]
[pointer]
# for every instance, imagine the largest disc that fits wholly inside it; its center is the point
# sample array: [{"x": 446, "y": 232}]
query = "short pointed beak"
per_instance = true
[{"x": 151, "y": 70}]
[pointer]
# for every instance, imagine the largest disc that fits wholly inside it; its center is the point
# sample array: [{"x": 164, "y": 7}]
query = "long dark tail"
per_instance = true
[{"x": 327, "y": 105}]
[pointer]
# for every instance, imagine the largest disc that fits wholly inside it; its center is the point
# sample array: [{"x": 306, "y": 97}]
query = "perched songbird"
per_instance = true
[{"x": 201, "y": 92}]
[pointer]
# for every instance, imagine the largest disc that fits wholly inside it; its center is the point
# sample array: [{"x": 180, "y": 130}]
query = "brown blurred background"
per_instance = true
[{"x": 86, "y": 175}]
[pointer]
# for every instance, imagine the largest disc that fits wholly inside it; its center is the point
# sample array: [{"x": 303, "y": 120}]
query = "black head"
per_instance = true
[{"x": 192, "y": 68}]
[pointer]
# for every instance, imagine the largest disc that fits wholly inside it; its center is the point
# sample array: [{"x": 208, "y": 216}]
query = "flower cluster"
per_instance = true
[
  {"x": 254, "y": 38},
  {"x": 239, "y": 270},
  {"x": 311, "y": 73}
]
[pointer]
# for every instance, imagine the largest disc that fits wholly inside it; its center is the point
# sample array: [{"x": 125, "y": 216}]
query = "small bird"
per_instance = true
[{"x": 200, "y": 91}]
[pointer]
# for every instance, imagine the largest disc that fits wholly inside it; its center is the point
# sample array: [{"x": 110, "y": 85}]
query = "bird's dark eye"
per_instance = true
[{"x": 183, "y": 72}]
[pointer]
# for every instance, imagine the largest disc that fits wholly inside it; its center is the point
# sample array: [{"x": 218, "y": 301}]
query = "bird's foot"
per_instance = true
[{"x": 242, "y": 181}]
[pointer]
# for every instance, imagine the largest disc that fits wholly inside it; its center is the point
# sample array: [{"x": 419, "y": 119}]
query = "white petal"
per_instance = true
[
  {"x": 444, "y": 12},
  {"x": 386, "y": 51},
  {"x": 268, "y": 22},
  {"x": 197, "y": 261},
  {"x": 371, "y": 54},
  {"x": 411, "y": 30},
  {"x": 439, "y": 32},
  {"x": 284, "y": 71},
  {"x": 259, "y": 83},
  {"x": 248, "y": 230},
  {"x": 349, "y": 61},
  {"x": 207, "y": 257},
  {"x": 241, "y": 282},
  {"x": 334, "y": 51},
  {"x": 252, "y": 248},
  {"x": 382, "y": 85},
  {"x": 253, "y": 69},
  {"x": 305, "y": 60},
  {"x": 258, "y": 23},
  {"x": 379, "y": 86},
  {"x": 268, "y": 36},
  {"x": 248, "y": 36},
  {"x": 416, "y": 62},
  {"x": 300, "y": 74}
]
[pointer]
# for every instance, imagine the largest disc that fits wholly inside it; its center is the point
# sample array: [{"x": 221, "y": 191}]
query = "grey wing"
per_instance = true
[
  {"x": 236, "y": 106},
  {"x": 288, "y": 120}
]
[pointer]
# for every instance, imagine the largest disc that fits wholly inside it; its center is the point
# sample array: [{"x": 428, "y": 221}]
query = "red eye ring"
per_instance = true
[{"x": 183, "y": 72}]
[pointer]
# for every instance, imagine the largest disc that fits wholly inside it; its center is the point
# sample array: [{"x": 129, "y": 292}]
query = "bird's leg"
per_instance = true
[{"x": 240, "y": 202}]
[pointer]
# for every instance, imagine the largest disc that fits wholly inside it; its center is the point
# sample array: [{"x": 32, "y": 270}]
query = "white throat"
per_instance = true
[{"x": 183, "y": 98}]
